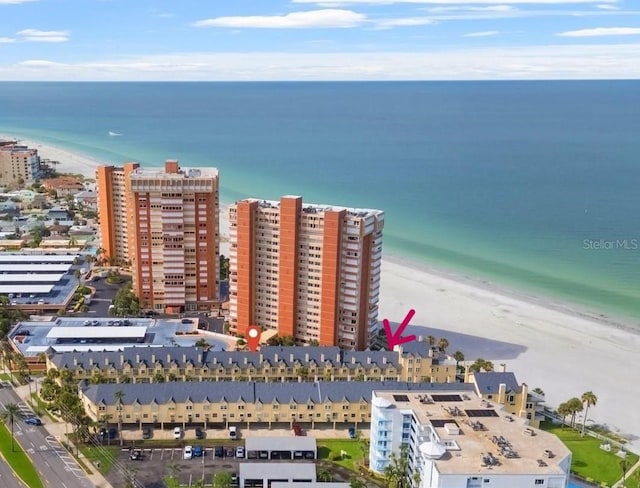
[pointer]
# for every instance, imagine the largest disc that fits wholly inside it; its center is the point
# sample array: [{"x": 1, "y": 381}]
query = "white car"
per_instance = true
[
  {"x": 233, "y": 432},
  {"x": 177, "y": 433},
  {"x": 188, "y": 452},
  {"x": 240, "y": 452}
]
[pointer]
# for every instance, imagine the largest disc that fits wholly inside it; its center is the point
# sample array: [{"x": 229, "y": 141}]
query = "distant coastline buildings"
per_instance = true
[
  {"x": 165, "y": 223},
  {"x": 305, "y": 270},
  {"x": 19, "y": 165}
]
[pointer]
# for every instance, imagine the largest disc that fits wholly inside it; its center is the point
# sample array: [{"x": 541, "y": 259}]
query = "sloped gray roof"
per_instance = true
[
  {"x": 274, "y": 355},
  {"x": 253, "y": 392},
  {"x": 489, "y": 383}
]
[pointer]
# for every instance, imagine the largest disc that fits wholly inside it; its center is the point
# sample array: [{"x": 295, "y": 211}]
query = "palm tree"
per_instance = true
[
  {"x": 443, "y": 344},
  {"x": 563, "y": 411},
  {"x": 174, "y": 469},
  {"x": 324, "y": 475},
  {"x": 431, "y": 340},
  {"x": 589, "y": 399},
  {"x": 459, "y": 357},
  {"x": 575, "y": 406},
  {"x": 119, "y": 396},
  {"x": 356, "y": 483},
  {"x": 10, "y": 414}
]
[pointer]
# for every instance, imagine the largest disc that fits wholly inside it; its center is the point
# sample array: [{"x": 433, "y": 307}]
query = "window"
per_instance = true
[{"x": 539, "y": 482}]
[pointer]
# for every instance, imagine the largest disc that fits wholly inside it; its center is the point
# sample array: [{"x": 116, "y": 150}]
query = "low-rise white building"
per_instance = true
[{"x": 457, "y": 439}]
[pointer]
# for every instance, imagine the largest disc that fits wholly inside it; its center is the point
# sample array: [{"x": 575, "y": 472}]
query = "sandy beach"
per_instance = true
[{"x": 547, "y": 344}]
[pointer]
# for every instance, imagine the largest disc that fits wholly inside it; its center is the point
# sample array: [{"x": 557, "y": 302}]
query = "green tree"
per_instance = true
[
  {"x": 481, "y": 365},
  {"x": 563, "y": 411},
  {"x": 125, "y": 303},
  {"x": 222, "y": 480},
  {"x": 397, "y": 471},
  {"x": 575, "y": 405},
  {"x": 539, "y": 391},
  {"x": 431, "y": 340},
  {"x": 589, "y": 399},
  {"x": 459, "y": 357},
  {"x": 314, "y": 343},
  {"x": 324, "y": 476},
  {"x": 119, "y": 397},
  {"x": 10, "y": 414},
  {"x": 443, "y": 344},
  {"x": 203, "y": 344},
  {"x": 356, "y": 483}
]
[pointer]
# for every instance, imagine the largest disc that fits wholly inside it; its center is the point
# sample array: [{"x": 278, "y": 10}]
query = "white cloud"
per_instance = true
[
  {"x": 593, "y": 61},
  {"x": 6, "y": 40},
  {"x": 467, "y": 8},
  {"x": 482, "y": 34},
  {"x": 404, "y": 22},
  {"x": 333, "y": 3},
  {"x": 15, "y": 2},
  {"x": 602, "y": 31},
  {"x": 35, "y": 35},
  {"x": 606, "y": 6},
  {"x": 325, "y": 18}
]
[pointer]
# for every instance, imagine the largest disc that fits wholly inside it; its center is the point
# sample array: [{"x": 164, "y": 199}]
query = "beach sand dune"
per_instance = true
[{"x": 547, "y": 345}]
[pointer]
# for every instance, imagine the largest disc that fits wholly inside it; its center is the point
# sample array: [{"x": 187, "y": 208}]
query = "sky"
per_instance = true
[{"x": 228, "y": 40}]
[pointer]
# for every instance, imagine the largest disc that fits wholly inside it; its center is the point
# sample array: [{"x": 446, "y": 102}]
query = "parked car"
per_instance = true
[
  {"x": 103, "y": 434},
  {"x": 234, "y": 478},
  {"x": 198, "y": 451},
  {"x": 233, "y": 432},
  {"x": 33, "y": 421},
  {"x": 297, "y": 430},
  {"x": 199, "y": 433},
  {"x": 229, "y": 452},
  {"x": 146, "y": 433},
  {"x": 188, "y": 452},
  {"x": 135, "y": 455},
  {"x": 177, "y": 433},
  {"x": 113, "y": 432},
  {"x": 352, "y": 433},
  {"x": 218, "y": 451},
  {"x": 240, "y": 452}
]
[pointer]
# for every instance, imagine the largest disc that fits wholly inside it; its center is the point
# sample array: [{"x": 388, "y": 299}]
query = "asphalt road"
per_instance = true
[
  {"x": 155, "y": 465},
  {"x": 56, "y": 467}
]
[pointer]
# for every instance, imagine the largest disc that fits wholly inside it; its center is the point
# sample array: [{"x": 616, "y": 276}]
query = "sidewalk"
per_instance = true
[{"x": 57, "y": 430}]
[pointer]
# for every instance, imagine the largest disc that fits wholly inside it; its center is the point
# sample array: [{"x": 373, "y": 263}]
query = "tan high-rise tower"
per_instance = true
[
  {"x": 171, "y": 221},
  {"x": 307, "y": 271},
  {"x": 112, "y": 185}
]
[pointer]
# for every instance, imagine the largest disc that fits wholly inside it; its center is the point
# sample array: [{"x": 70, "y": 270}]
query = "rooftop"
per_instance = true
[
  {"x": 473, "y": 433},
  {"x": 297, "y": 470},
  {"x": 252, "y": 392},
  {"x": 317, "y": 208}
]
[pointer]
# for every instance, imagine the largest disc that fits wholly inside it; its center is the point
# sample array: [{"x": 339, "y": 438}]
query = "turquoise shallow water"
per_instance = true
[{"x": 531, "y": 185}]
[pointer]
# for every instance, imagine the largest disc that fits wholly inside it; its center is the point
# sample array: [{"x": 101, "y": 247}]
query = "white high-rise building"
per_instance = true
[{"x": 455, "y": 439}]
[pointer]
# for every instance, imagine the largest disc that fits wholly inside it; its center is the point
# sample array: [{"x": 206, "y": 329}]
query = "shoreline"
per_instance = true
[{"x": 563, "y": 348}]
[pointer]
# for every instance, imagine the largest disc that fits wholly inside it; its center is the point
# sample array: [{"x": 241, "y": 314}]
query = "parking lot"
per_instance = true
[{"x": 158, "y": 462}]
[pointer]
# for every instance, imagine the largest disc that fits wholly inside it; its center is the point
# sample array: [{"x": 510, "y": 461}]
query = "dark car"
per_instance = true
[
  {"x": 146, "y": 433},
  {"x": 352, "y": 433},
  {"x": 199, "y": 433},
  {"x": 218, "y": 451},
  {"x": 103, "y": 434},
  {"x": 33, "y": 421},
  {"x": 198, "y": 451},
  {"x": 135, "y": 455},
  {"x": 230, "y": 452},
  {"x": 186, "y": 321},
  {"x": 112, "y": 433}
]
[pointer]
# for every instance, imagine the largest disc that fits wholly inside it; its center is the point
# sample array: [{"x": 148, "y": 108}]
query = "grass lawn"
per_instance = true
[
  {"x": 18, "y": 460},
  {"x": 5, "y": 377},
  {"x": 331, "y": 449},
  {"x": 171, "y": 482},
  {"x": 588, "y": 460},
  {"x": 105, "y": 455}
]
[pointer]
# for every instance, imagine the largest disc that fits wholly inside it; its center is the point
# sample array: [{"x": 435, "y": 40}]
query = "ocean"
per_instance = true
[{"x": 531, "y": 185}]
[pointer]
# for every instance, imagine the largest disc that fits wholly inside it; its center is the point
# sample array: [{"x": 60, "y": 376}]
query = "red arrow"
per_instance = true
[{"x": 395, "y": 338}]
